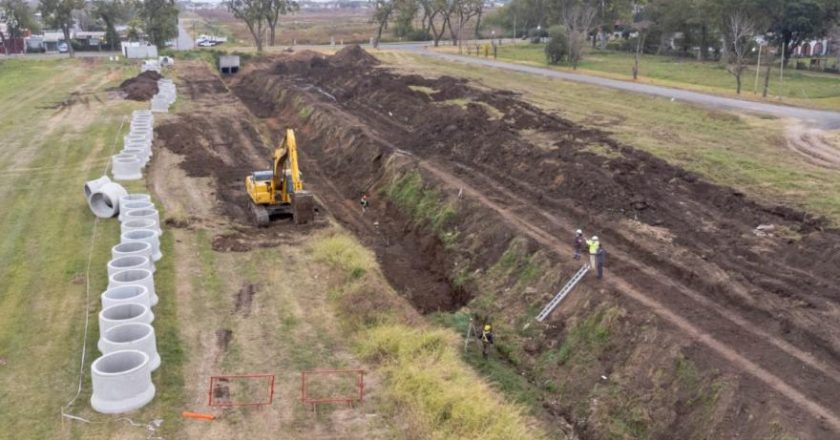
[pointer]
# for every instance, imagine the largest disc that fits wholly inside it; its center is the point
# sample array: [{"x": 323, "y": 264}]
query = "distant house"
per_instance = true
[
  {"x": 50, "y": 40},
  {"x": 89, "y": 40},
  {"x": 813, "y": 48}
]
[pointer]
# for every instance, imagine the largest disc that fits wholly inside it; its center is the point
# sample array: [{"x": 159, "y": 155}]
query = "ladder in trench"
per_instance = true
[{"x": 562, "y": 293}]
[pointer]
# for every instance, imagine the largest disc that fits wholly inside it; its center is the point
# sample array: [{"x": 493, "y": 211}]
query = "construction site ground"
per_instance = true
[{"x": 706, "y": 325}]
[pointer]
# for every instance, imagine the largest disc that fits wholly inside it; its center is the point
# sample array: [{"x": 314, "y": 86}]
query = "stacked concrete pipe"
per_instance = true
[
  {"x": 134, "y": 336},
  {"x": 142, "y": 223},
  {"x": 117, "y": 314},
  {"x": 131, "y": 277},
  {"x": 127, "y": 294},
  {"x": 122, "y": 382},
  {"x": 140, "y": 248},
  {"x": 165, "y": 97},
  {"x": 147, "y": 213},
  {"x": 126, "y": 167},
  {"x": 134, "y": 204},
  {"x": 144, "y": 235},
  {"x": 130, "y": 262}
]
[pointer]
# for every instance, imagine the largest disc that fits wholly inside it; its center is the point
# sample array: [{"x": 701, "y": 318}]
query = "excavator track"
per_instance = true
[{"x": 260, "y": 215}]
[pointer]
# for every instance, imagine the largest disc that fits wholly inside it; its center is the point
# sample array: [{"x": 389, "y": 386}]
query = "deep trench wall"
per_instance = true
[{"x": 655, "y": 388}]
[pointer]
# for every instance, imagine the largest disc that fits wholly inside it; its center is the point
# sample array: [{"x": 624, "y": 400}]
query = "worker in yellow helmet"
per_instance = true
[
  {"x": 486, "y": 339},
  {"x": 593, "y": 244}
]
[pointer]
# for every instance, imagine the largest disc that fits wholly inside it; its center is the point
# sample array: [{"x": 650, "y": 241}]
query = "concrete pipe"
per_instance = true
[
  {"x": 141, "y": 213},
  {"x": 143, "y": 277},
  {"x": 129, "y": 262},
  {"x": 140, "y": 153},
  {"x": 144, "y": 235},
  {"x": 105, "y": 201},
  {"x": 128, "y": 294},
  {"x": 146, "y": 132},
  {"x": 92, "y": 185},
  {"x": 136, "y": 138},
  {"x": 140, "y": 248},
  {"x": 141, "y": 112},
  {"x": 142, "y": 223},
  {"x": 134, "y": 197},
  {"x": 122, "y": 382},
  {"x": 124, "y": 313},
  {"x": 131, "y": 337},
  {"x": 141, "y": 123},
  {"x": 139, "y": 204},
  {"x": 160, "y": 105},
  {"x": 126, "y": 167}
]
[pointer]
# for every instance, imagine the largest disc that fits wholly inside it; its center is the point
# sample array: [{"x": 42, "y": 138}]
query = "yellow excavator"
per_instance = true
[{"x": 279, "y": 192}]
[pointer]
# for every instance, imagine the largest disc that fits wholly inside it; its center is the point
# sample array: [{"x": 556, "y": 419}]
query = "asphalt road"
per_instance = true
[{"x": 817, "y": 118}]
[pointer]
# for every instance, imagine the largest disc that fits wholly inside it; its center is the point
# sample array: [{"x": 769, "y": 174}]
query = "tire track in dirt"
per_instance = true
[{"x": 730, "y": 354}]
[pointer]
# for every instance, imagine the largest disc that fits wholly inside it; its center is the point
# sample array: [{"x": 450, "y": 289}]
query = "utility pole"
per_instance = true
[{"x": 757, "y": 69}]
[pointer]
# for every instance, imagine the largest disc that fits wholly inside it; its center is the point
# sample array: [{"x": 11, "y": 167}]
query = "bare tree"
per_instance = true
[
  {"x": 276, "y": 8},
  {"x": 578, "y": 20},
  {"x": 738, "y": 32},
  {"x": 253, "y": 13},
  {"x": 382, "y": 10},
  {"x": 642, "y": 28},
  {"x": 462, "y": 11}
]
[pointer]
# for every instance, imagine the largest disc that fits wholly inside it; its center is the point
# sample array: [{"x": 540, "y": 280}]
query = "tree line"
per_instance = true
[
  {"x": 436, "y": 18},
  {"x": 156, "y": 19}
]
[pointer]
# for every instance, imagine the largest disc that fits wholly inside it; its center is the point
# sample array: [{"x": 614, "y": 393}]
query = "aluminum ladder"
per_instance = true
[{"x": 562, "y": 293}]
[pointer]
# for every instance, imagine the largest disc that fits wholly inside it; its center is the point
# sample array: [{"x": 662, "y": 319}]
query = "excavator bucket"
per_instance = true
[{"x": 303, "y": 207}]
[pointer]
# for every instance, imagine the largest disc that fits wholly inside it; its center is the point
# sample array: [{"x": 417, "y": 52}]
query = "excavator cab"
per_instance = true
[{"x": 279, "y": 192}]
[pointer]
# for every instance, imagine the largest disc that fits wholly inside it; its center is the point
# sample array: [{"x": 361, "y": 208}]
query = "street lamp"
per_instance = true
[{"x": 761, "y": 44}]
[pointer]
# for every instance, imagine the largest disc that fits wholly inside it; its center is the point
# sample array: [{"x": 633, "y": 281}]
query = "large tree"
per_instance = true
[
  {"x": 19, "y": 18},
  {"x": 796, "y": 21},
  {"x": 382, "y": 11},
  {"x": 160, "y": 21},
  {"x": 111, "y": 12},
  {"x": 275, "y": 9},
  {"x": 59, "y": 14},
  {"x": 254, "y": 13},
  {"x": 739, "y": 29}
]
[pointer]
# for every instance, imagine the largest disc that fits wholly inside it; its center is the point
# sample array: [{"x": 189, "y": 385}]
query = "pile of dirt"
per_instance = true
[
  {"x": 354, "y": 55},
  {"x": 142, "y": 87}
]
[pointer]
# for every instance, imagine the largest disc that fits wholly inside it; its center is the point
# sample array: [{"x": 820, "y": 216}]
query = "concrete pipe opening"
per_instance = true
[
  {"x": 124, "y": 313},
  {"x": 142, "y": 277},
  {"x": 135, "y": 336},
  {"x": 147, "y": 236},
  {"x": 144, "y": 213},
  {"x": 141, "y": 223},
  {"x": 91, "y": 186},
  {"x": 122, "y": 382},
  {"x": 104, "y": 202},
  {"x": 137, "y": 204},
  {"x": 132, "y": 248},
  {"x": 129, "y": 262},
  {"x": 128, "y": 294}
]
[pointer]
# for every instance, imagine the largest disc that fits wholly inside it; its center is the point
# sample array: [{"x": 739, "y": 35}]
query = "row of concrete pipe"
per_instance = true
[{"x": 122, "y": 376}]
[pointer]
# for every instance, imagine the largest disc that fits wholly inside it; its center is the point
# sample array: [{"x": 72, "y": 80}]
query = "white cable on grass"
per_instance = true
[{"x": 87, "y": 298}]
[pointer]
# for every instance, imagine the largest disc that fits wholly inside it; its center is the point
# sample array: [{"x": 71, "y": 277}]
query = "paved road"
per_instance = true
[
  {"x": 817, "y": 118},
  {"x": 184, "y": 40}
]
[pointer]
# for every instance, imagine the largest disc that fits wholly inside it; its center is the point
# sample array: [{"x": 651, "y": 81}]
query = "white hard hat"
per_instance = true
[
  {"x": 578, "y": 232},
  {"x": 594, "y": 238}
]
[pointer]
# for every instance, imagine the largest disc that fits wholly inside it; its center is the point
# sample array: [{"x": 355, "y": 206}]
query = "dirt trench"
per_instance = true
[
  {"x": 685, "y": 247},
  {"x": 680, "y": 249}
]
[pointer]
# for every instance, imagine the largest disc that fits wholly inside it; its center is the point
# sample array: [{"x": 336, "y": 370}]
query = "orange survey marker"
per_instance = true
[{"x": 200, "y": 416}]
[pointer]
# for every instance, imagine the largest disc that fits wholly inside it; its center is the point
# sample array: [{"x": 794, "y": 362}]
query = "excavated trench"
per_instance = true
[{"x": 512, "y": 173}]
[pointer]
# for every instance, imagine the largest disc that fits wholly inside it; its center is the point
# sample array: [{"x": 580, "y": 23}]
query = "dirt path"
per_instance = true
[{"x": 814, "y": 144}]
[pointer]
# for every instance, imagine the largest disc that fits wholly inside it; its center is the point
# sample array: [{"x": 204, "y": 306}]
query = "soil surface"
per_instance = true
[
  {"x": 759, "y": 300},
  {"x": 142, "y": 87}
]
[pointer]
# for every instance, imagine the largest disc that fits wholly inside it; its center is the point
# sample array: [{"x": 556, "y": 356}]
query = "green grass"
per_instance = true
[
  {"x": 423, "y": 204},
  {"x": 427, "y": 386},
  {"x": 46, "y": 228},
  {"x": 799, "y": 87},
  {"x": 743, "y": 151}
]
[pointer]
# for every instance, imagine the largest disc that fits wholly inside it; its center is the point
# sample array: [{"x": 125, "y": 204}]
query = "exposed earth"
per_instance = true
[{"x": 745, "y": 291}]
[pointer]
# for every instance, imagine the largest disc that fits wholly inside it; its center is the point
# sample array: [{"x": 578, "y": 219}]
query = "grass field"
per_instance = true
[
  {"x": 53, "y": 139},
  {"x": 219, "y": 312},
  {"x": 811, "y": 89},
  {"x": 744, "y": 151}
]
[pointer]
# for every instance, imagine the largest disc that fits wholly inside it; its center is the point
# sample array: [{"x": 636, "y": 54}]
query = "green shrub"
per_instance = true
[{"x": 557, "y": 49}]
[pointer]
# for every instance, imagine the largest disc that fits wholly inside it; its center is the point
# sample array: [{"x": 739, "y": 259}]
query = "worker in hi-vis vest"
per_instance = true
[{"x": 593, "y": 246}]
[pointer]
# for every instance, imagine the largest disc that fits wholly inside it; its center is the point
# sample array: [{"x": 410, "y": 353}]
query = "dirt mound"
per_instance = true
[
  {"x": 142, "y": 87},
  {"x": 354, "y": 55}
]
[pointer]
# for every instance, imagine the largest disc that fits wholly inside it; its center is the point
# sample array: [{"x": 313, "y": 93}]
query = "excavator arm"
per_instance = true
[{"x": 287, "y": 176}]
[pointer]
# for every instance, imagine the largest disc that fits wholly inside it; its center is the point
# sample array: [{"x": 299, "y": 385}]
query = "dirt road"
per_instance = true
[{"x": 763, "y": 306}]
